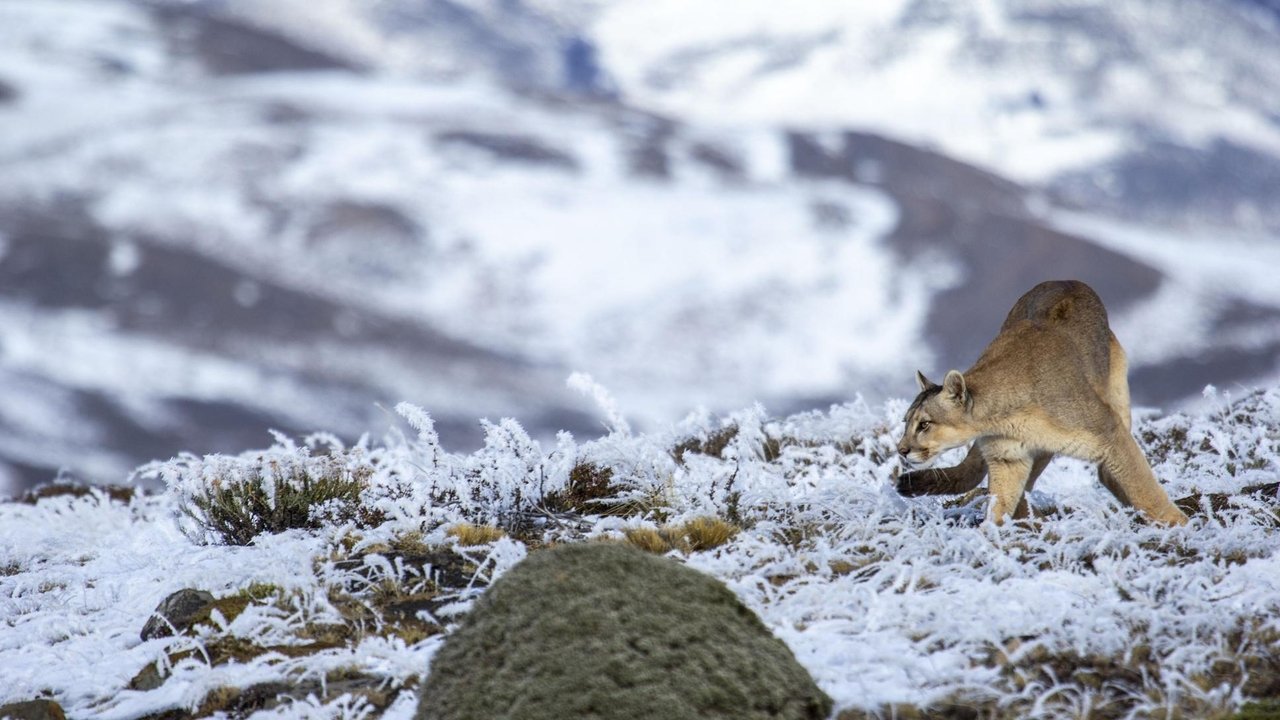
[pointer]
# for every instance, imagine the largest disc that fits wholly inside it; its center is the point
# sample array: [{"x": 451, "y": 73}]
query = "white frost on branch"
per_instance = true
[{"x": 614, "y": 420}]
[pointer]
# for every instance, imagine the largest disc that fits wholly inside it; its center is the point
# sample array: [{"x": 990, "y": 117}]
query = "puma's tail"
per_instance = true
[{"x": 955, "y": 480}]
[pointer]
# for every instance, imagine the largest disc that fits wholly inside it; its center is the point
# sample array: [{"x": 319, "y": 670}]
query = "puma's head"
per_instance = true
[{"x": 938, "y": 420}]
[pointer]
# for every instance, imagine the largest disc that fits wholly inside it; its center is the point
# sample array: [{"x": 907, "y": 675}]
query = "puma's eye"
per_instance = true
[{"x": 924, "y": 425}]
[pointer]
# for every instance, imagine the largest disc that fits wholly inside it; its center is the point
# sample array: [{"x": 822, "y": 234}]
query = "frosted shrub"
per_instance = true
[
  {"x": 792, "y": 471},
  {"x": 408, "y": 482},
  {"x": 503, "y": 479},
  {"x": 234, "y": 499}
]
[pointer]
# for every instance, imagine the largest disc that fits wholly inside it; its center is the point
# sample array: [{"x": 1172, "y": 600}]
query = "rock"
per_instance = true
[
  {"x": 148, "y": 678},
  {"x": 606, "y": 631},
  {"x": 178, "y": 610},
  {"x": 1261, "y": 710},
  {"x": 33, "y": 710}
]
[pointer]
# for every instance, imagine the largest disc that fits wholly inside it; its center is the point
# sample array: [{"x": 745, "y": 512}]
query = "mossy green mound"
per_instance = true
[
  {"x": 1262, "y": 710},
  {"x": 606, "y": 631}
]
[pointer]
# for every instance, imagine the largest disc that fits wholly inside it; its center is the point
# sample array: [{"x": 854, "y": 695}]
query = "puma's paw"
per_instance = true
[
  {"x": 918, "y": 482},
  {"x": 1171, "y": 516}
]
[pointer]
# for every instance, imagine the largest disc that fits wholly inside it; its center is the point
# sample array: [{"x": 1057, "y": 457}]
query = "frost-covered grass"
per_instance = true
[{"x": 893, "y": 605}]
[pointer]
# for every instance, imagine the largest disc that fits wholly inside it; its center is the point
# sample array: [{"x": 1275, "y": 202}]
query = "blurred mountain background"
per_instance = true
[{"x": 225, "y": 216}]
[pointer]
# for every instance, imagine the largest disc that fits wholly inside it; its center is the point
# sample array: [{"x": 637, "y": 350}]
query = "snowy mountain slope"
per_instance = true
[
  {"x": 217, "y": 218},
  {"x": 978, "y": 221},
  {"x": 307, "y": 243},
  {"x": 1155, "y": 110},
  {"x": 1218, "y": 287}
]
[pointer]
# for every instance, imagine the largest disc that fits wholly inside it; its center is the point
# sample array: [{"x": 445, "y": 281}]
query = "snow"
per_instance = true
[
  {"x": 884, "y": 600},
  {"x": 92, "y": 571},
  {"x": 696, "y": 259},
  {"x": 1213, "y": 261},
  {"x": 993, "y": 83},
  {"x": 82, "y": 350}
]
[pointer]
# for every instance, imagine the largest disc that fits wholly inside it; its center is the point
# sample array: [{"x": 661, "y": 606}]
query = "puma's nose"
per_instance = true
[{"x": 903, "y": 451}]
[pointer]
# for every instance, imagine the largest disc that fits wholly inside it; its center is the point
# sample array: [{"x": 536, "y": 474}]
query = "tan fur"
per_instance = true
[{"x": 1053, "y": 382}]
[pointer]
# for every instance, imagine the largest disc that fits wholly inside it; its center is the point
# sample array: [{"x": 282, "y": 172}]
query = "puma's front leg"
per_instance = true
[
  {"x": 1007, "y": 478},
  {"x": 1006, "y": 481},
  {"x": 1039, "y": 462}
]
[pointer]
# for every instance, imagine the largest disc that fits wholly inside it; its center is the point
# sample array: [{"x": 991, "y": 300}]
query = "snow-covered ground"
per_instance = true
[{"x": 886, "y": 601}]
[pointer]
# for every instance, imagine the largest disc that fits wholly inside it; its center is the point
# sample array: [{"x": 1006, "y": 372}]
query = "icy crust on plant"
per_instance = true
[{"x": 886, "y": 601}]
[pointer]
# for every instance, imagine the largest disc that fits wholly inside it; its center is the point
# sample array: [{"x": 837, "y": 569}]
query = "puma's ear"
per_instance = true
[
  {"x": 923, "y": 381},
  {"x": 953, "y": 385}
]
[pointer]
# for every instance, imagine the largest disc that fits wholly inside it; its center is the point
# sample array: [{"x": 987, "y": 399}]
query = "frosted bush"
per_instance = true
[
  {"x": 411, "y": 482},
  {"x": 233, "y": 499}
]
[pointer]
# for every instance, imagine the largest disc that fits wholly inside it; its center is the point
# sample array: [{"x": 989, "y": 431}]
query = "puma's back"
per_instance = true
[
  {"x": 1054, "y": 344},
  {"x": 1070, "y": 310}
]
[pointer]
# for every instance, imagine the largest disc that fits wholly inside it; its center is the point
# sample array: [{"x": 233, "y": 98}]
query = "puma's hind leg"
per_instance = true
[
  {"x": 955, "y": 480},
  {"x": 1126, "y": 473},
  {"x": 1117, "y": 399},
  {"x": 1109, "y": 482},
  {"x": 1124, "y": 470},
  {"x": 1118, "y": 384}
]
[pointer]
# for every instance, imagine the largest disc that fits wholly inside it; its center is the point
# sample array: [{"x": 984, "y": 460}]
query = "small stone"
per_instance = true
[
  {"x": 148, "y": 678},
  {"x": 180, "y": 610},
  {"x": 33, "y": 710}
]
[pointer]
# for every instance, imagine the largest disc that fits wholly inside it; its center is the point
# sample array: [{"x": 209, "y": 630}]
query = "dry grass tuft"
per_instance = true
[
  {"x": 700, "y": 533},
  {"x": 410, "y": 543},
  {"x": 468, "y": 534},
  {"x": 648, "y": 540},
  {"x": 705, "y": 533}
]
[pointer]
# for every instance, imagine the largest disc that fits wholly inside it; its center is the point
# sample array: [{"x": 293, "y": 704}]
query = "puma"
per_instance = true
[{"x": 1053, "y": 382}]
